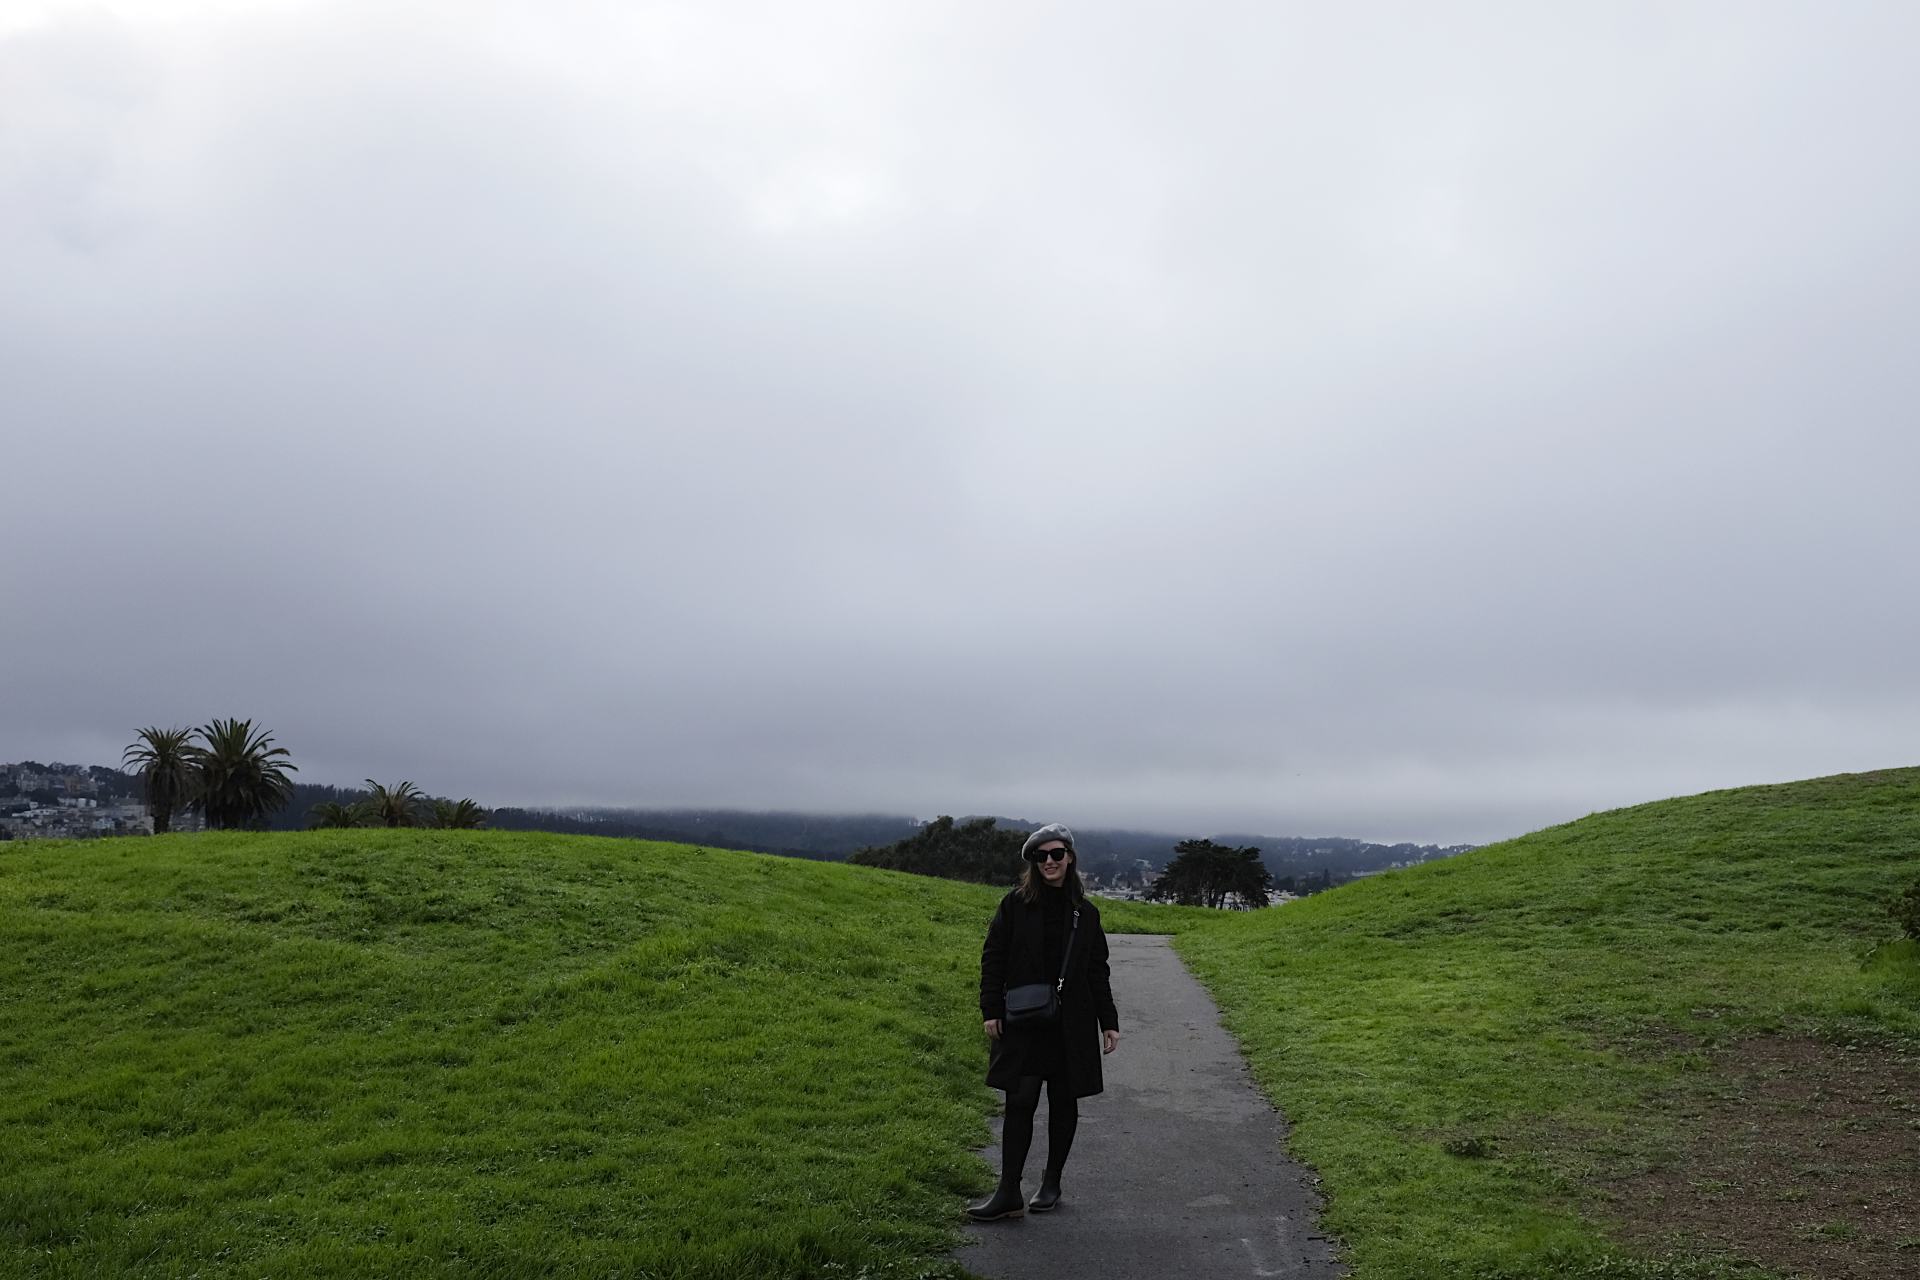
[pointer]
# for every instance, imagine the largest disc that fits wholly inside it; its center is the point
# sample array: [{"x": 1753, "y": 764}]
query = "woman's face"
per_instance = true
[{"x": 1054, "y": 870}]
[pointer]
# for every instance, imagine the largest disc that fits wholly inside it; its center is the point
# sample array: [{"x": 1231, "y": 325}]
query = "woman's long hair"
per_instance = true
[{"x": 1031, "y": 882}]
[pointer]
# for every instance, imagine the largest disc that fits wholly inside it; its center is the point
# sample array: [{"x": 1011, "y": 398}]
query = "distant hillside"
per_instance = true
[
  {"x": 30, "y": 779},
  {"x": 826, "y": 836},
  {"x": 1295, "y": 861},
  {"x": 1121, "y": 856},
  {"x": 1109, "y": 854}
]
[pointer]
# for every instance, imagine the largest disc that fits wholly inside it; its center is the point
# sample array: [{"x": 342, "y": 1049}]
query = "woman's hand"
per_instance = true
[
  {"x": 1112, "y": 1039},
  {"x": 993, "y": 1028}
]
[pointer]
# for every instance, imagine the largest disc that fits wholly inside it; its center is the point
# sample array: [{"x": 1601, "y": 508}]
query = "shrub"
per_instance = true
[
  {"x": 1906, "y": 911},
  {"x": 1469, "y": 1147}
]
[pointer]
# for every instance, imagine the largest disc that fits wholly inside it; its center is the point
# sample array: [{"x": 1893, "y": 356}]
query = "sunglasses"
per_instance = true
[{"x": 1047, "y": 855}]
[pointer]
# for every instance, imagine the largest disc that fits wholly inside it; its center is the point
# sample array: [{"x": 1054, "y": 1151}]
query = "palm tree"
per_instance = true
[
  {"x": 163, "y": 761},
  {"x": 395, "y": 807},
  {"x": 331, "y": 813},
  {"x": 242, "y": 778},
  {"x": 462, "y": 815}
]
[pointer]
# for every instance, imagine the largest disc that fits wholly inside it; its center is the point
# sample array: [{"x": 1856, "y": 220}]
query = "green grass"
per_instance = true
[
  {"x": 358, "y": 1053},
  {"x": 363, "y": 1053},
  {"x": 1435, "y": 1034}
]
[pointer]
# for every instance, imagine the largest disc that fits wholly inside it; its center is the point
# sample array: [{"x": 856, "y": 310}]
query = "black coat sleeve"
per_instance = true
[
  {"x": 1100, "y": 978},
  {"x": 993, "y": 966}
]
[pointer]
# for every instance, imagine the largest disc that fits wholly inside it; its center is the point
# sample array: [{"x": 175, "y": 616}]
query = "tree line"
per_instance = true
[
  {"x": 1201, "y": 874},
  {"x": 236, "y": 778}
]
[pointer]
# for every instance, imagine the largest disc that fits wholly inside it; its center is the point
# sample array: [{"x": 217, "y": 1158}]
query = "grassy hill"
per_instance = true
[
  {"x": 351, "y": 1053},
  {"x": 1671, "y": 1019}
]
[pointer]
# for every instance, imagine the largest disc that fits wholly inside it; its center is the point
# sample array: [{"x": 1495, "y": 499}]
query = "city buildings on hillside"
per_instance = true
[
  {"x": 1125, "y": 892},
  {"x": 69, "y": 802},
  {"x": 72, "y": 821}
]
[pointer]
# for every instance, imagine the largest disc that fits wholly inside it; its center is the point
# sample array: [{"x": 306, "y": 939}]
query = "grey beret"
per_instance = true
[{"x": 1046, "y": 835}]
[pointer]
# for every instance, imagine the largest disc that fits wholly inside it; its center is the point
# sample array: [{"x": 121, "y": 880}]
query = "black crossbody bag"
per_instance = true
[{"x": 1034, "y": 1005}]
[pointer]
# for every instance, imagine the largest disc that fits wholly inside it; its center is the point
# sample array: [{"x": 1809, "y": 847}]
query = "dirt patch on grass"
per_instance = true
[{"x": 1798, "y": 1154}]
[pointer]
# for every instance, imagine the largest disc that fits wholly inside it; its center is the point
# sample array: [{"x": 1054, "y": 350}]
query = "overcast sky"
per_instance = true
[{"x": 1404, "y": 421}]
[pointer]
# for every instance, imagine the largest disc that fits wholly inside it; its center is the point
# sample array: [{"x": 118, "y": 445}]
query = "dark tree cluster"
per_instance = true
[
  {"x": 233, "y": 775},
  {"x": 1205, "y": 874},
  {"x": 226, "y": 769},
  {"x": 403, "y": 805},
  {"x": 979, "y": 850}
]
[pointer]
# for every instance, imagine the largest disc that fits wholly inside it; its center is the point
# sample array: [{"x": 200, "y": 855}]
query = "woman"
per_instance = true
[{"x": 1026, "y": 943}]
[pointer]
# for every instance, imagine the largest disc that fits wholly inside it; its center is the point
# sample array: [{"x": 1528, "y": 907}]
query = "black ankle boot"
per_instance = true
[
  {"x": 1004, "y": 1203},
  {"x": 1049, "y": 1194}
]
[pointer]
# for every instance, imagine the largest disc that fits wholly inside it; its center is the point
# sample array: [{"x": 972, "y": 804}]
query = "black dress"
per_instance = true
[
  {"x": 1025, "y": 943},
  {"x": 1047, "y": 1054}
]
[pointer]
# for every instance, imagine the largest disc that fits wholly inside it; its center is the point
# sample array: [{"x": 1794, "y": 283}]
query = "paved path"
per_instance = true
[{"x": 1178, "y": 1168}]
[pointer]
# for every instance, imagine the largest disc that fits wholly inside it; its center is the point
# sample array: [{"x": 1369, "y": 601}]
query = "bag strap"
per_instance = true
[{"x": 1060, "y": 984}]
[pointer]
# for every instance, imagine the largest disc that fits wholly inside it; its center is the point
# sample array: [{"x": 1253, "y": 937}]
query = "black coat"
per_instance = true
[{"x": 1013, "y": 956}]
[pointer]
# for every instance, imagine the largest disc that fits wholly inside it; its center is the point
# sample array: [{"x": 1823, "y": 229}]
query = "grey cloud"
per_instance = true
[{"x": 1369, "y": 420}]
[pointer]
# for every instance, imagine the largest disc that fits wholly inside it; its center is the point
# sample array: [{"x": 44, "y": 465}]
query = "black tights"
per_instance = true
[{"x": 1016, "y": 1135}]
